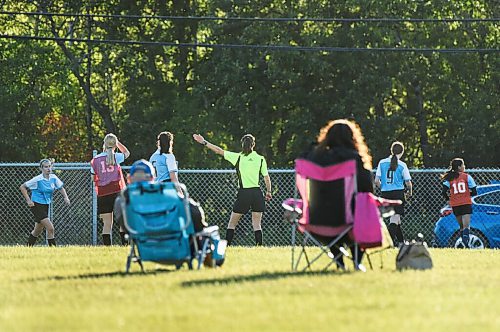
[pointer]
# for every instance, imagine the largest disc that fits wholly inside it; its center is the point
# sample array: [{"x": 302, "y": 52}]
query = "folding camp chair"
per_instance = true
[
  {"x": 161, "y": 228},
  {"x": 326, "y": 211}
]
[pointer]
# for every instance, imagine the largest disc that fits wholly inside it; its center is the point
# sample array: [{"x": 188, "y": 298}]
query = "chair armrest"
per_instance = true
[
  {"x": 384, "y": 202},
  {"x": 293, "y": 209}
]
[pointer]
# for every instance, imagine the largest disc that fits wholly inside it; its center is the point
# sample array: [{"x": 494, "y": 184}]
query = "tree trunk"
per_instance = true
[
  {"x": 422, "y": 123},
  {"x": 102, "y": 109}
]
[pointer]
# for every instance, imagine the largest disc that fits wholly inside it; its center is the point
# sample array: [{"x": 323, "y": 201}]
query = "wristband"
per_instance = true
[{"x": 204, "y": 142}]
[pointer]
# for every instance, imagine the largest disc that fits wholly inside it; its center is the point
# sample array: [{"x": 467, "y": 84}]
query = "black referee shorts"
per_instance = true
[
  {"x": 396, "y": 194},
  {"x": 249, "y": 199}
]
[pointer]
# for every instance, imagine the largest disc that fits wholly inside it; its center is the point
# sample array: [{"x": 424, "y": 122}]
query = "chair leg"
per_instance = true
[
  {"x": 140, "y": 264},
  {"x": 369, "y": 261},
  {"x": 135, "y": 257},
  {"x": 307, "y": 260},
  {"x": 131, "y": 256},
  {"x": 203, "y": 254},
  {"x": 356, "y": 259},
  {"x": 127, "y": 265},
  {"x": 293, "y": 247}
]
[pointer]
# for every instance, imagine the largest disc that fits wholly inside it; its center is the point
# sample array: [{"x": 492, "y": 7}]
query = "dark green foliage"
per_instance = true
[{"x": 441, "y": 105}]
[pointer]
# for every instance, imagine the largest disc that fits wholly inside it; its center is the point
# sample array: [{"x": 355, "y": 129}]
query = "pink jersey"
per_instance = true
[{"x": 108, "y": 178}]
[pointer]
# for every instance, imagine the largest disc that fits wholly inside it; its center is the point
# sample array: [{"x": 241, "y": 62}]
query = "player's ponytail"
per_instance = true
[
  {"x": 453, "y": 172},
  {"x": 247, "y": 144},
  {"x": 109, "y": 147},
  {"x": 396, "y": 148},
  {"x": 165, "y": 140}
]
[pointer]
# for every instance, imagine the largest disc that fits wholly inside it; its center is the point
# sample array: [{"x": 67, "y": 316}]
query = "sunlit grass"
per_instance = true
[{"x": 85, "y": 289}]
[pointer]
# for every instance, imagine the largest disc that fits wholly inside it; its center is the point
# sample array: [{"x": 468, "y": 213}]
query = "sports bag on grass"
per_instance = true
[{"x": 414, "y": 256}]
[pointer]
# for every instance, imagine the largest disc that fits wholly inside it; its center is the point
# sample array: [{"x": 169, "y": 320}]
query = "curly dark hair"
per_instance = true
[{"x": 345, "y": 133}]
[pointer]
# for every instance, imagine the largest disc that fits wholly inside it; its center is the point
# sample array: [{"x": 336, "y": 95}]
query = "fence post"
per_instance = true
[
  {"x": 94, "y": 206},
  {"x": 51, "y": 218}
]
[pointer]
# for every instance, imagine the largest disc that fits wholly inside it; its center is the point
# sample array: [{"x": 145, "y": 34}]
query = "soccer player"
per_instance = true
[
  {"x": 42, "y": 187},
  {"x": 109, "y": 181},
  {"x": 392, "y": 176},
  {"x": 461, "y": 187},
  {"x": 249, "y": 166},
  {"x": 163, "y": 159}
]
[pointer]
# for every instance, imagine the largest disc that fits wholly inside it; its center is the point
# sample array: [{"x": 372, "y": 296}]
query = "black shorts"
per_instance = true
[
  {"x": 396, "y": 194},
  {"x": 40, "y": 211},
  {"x": 105, "y": 204},
  {"x": 462, "y": 209},
  {"x": 249, "y": 198}
]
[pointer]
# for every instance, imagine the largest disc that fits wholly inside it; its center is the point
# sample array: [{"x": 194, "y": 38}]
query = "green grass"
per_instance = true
[{"x": 85, "y": 289}]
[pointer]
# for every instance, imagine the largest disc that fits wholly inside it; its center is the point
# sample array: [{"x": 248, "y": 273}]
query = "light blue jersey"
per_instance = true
[
  {"x": 392, "y": 180},
  {"x": 164, "y": 163},
  {"x": 42, "y": 188}
]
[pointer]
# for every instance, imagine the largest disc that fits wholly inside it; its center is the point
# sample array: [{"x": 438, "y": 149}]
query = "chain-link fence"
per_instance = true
[{"x": 78, "y": 224}]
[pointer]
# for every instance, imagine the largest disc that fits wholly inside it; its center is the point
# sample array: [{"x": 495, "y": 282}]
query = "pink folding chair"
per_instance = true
[{"x": 327, "y": 211}]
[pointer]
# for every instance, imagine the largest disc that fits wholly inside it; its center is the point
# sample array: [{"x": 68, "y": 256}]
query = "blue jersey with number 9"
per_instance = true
[{"x": 392, "y": 180}]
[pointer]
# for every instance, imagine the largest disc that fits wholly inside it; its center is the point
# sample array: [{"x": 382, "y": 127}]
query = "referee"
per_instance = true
[{"x": 249, "y": 166}]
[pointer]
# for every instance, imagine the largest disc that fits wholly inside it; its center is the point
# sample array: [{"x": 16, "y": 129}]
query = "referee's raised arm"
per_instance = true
[{"x": 198, "y": 138}]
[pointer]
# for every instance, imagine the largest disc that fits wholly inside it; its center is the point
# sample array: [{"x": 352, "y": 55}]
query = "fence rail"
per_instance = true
[{"x": 78, "y": 224}]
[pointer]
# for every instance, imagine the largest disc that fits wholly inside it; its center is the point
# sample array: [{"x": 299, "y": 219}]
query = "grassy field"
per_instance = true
[{"x": 85, "y": 289}]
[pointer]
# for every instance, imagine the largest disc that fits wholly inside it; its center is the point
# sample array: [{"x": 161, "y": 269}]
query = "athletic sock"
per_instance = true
[
  {"x": 52, "y": 242},
  {"x": 465, "y": 237},
  {"x": 258, "y": 237},
  {"x": 31, "y": 240},
  {"x": 356, "y": 250},
  {"x": 339, "y": 260},
  {"x": 106, "y": 239},
  {"x": 124, "y": 240},
  {"x": 399, "y": 234},
  {"x": 229, "y": 236},
  {"x": 392, "y": 228},
  {"x": 340, "y": 263}
]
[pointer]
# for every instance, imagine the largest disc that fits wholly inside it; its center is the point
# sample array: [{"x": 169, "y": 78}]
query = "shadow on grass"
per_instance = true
[
  {"x": 101, "y": 275},
  {"x": 259, "y": 277}
]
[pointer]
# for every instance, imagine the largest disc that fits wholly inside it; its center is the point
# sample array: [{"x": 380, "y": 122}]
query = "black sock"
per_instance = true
[
  {"x": 392, "y": 228},
  {"x": 258, "y": 237},
  {"x": 124, "y": 240},
  {"x": 229, "y": 236},
  {"x": 356, "y": 250},
  {"x": 399, "y": 234},
  {"x": 340, "y": 258},
  {"x": 31, "y": 240},
  {"x": 106, "y": 239},
  {"x": 465, "y": 237},
  {"x": 52, "y": 242}
]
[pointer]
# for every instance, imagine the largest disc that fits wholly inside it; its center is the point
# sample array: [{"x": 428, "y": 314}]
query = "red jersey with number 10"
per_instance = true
[
  {"x": 108, "y": 178},
  {"x": 459, "y": 190}
]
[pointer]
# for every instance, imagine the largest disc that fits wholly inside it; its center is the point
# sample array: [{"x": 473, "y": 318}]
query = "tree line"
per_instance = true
[{"x": 59, "y": 94}]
